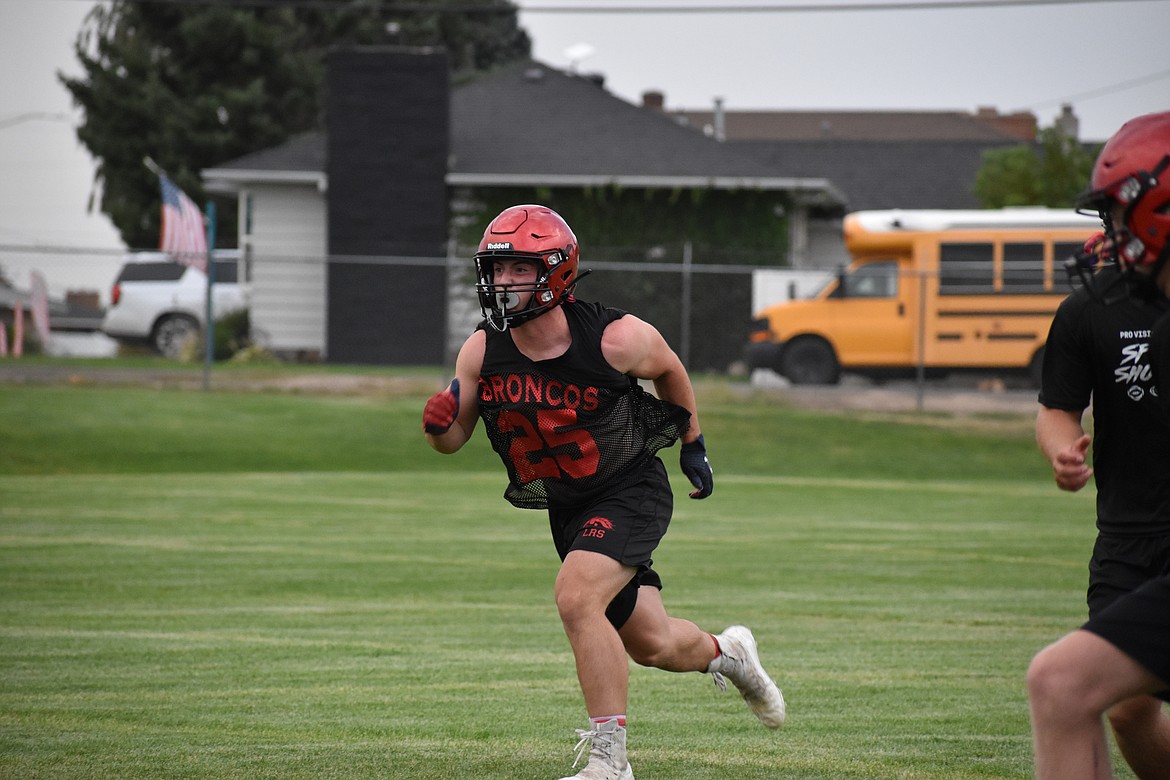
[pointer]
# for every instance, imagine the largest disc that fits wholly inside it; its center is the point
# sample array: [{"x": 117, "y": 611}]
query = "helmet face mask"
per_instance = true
[{"x": 535, "y": 234}]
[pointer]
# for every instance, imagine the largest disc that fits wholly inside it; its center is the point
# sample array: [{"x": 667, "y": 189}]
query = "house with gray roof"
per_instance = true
[
  {"x": 531, "y": 132},
  {"x": 986, "y": 124},
  {"x": 525, "y": 128},
  {"x": 532, "y": 125},
  {"x": 876, "y": 159}
]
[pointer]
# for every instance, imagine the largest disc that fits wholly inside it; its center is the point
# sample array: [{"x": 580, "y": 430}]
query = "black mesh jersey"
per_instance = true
[
  {"x": 571, "y": 428},
  {"x": 1101, "y": 353}
]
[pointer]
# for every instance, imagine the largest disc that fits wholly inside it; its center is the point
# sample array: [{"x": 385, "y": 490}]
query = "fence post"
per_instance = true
[
  {"x": 920, "y": 373},
  {"x": 18, "y": 330},
  {"x": 209, "y": 315}
]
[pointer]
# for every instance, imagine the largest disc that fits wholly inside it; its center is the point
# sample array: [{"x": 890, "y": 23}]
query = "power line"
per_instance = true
[
  {"x": 888, "y": 5},
  {"x": 395, "y": 7},
  {"x": 32, "y": 116},
  {"x": 1108, "y": 90}
]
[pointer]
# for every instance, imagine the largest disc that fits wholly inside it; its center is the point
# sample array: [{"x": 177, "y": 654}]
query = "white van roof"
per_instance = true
[{"x": 943, "y": 219}]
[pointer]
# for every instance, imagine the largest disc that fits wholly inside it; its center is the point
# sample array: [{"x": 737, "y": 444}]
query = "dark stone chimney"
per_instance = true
[
  {"x": 387, "y": 123},
  {"x": 653, "y": 99}
]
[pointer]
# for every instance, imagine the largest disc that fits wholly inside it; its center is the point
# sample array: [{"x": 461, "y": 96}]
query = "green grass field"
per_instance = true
[{"x": 267, "y": 585}]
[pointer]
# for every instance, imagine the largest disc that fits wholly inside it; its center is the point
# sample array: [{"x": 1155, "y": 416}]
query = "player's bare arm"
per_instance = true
[
  {"x": 635, "y": 347},
  {"x": 464, "y": 389},
  {"x": 1063, "y": 440}
]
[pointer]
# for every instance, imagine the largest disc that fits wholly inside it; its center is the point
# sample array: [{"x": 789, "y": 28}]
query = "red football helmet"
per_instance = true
[
  {"x": 528, "y": 232},
  {"x": 1133, "y": 172}
]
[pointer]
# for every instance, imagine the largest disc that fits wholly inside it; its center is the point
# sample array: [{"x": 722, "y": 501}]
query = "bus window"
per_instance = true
[
  {"x": 966, "y": 269},
  {"x": 1062, "y": 279},
  {"x": 872, "y": 280},
  {"x": 1062, "y": 251},
  {"x": 1023, "y": 268}
]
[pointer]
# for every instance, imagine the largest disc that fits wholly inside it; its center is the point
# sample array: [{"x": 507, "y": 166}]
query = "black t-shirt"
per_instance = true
[
  {"x": 570, "y": 428},
  {"x": 1101, "y": 353},
  {"x": 1160, "y": 360}
]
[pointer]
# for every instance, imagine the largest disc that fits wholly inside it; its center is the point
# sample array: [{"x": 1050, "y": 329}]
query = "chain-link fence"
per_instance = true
[
  {"x": 700, "y": 300},
  {"x": 77, "y": 270}
]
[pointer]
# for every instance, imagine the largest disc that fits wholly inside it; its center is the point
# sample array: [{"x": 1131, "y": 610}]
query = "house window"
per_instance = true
[{"x": 227, "y": 271}]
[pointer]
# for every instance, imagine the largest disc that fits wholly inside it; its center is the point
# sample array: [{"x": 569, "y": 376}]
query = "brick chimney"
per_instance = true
[
  {"x": 1021, "y": 124},
  {"x": 653, "y": 99}
]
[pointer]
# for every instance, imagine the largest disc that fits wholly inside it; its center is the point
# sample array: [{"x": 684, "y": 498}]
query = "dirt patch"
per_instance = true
[
  {"x": 984, "y": 403},
  {"x": 931, "y": 400},
  {"x": 192, "y": 378},
  {"x": 974, "y": 405}
]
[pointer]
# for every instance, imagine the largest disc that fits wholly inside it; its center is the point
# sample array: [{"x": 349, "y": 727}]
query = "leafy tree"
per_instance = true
[
  {"x": 196, "y": 85},
  {"x": 1050, "y": 173}
]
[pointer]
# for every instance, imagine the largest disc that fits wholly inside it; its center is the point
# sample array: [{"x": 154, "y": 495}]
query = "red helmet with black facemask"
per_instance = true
[
  {"x": 1130, "y": 190},
  {"x": 526, "y": 232}
]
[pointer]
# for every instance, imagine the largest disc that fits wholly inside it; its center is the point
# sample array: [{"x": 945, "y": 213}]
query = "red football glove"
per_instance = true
[{"x": 441, "y": 410}]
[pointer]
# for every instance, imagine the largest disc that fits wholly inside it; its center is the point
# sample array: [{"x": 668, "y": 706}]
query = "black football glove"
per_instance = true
[
  {"x": 441, "y": 410},
  {"x": 697, "y": 468}
]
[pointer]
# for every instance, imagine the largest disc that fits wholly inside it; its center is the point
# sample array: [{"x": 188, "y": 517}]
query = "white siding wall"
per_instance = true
[
  {"x": 289, "y": 242},
  {"x": 826, "y": 244},
  {"x": 776, "y": 285}
]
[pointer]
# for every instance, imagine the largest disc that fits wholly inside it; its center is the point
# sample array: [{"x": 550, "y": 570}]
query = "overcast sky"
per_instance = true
[{"x": 1109, "y": 60}]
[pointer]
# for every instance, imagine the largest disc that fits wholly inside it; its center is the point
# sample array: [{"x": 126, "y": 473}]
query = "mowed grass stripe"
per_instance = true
[
  {"x": 364, "y": 621},
  {"x": 879, "y": 676}
]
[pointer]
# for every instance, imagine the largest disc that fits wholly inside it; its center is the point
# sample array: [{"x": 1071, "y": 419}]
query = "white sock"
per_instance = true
[{"x": 621, "y": 720}]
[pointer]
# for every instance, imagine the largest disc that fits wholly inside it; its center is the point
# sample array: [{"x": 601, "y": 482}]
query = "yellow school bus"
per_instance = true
[{"x": 941, "y": 290}]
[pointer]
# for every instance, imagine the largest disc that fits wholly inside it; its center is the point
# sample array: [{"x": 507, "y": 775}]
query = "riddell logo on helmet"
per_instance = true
[
  {"x": 499, "y": 245},
  {"x": 597, "y": 526}
]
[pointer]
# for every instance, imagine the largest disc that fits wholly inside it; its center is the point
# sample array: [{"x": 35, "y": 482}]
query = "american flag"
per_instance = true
[{"x": 182, "y": 226}]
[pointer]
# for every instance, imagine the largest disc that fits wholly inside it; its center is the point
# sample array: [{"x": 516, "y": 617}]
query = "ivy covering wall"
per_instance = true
[
  {"x": 740, "y": 228},
  {"x": 725, "y": 225}
]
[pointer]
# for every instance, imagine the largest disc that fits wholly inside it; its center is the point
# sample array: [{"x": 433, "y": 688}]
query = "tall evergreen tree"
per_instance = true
[{"x": 196, "y": 85}]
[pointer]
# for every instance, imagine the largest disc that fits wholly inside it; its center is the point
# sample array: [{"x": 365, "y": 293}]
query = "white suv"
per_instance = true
[{"x": 159, "y": 302}]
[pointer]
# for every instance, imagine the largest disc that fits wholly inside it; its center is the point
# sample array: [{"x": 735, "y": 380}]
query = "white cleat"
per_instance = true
[
  {"x": 739, "y": 661},
  {"x": 606, "y": 743}
]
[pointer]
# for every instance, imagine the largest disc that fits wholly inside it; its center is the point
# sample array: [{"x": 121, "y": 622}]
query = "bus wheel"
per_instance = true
[{"x": 810, "y": 361}]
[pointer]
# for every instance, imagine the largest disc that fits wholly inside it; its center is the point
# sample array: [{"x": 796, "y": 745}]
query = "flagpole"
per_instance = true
[
  {"x": 209, "y": 320},
  {"x": 189, "y": 238}
]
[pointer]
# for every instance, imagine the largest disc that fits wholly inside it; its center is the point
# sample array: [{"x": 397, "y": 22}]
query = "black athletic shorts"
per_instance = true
[
  {"x": 1122, "y": 564},
  {"x": 1139, "y": 626},
  {"x": 627, "y": 526}
]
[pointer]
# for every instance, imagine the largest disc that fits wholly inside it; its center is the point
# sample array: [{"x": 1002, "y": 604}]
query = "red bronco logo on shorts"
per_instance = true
[{"x": 597, "y": 526}]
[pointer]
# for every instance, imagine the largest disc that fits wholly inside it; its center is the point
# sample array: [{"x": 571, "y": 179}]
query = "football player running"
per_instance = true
[
  {"x": 555, "y": 381},
  {"x": 1119, "y": 661}
]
